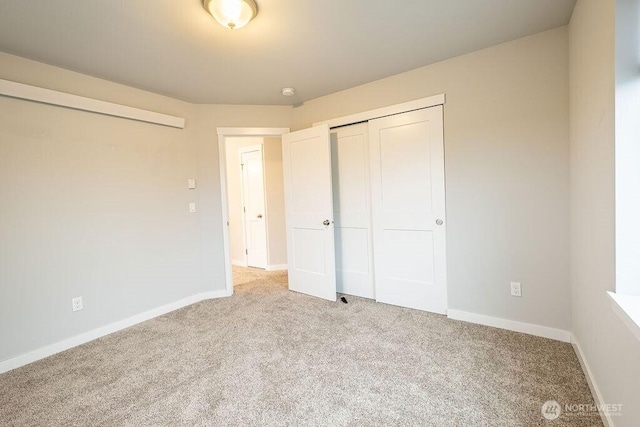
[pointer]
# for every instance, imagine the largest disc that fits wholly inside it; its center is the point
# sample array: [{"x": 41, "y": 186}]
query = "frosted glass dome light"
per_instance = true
[{"x": 233, "y": 14}]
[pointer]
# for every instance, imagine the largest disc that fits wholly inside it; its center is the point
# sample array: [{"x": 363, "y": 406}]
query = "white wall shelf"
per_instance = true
[{"x": 61, "y": 99}]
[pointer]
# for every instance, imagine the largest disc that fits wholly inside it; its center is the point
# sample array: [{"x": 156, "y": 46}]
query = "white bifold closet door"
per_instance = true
[
  {"x": 387, "y": 195},
  {"x": 352, "y": 210},
  {"x": 408, "y": 195},
  {"x": 306, "y": 157}
]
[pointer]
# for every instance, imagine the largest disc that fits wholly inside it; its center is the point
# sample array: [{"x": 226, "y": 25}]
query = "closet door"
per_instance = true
[
  {"x": 352, "y": 210},
  {"x": 408, "y": 195},
  {"x": 306, "y": 161}
]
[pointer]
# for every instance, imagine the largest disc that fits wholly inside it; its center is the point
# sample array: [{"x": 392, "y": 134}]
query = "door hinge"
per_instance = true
[
  {"x": 244, "y": 209},
  {"x": 246, "y": 251}
]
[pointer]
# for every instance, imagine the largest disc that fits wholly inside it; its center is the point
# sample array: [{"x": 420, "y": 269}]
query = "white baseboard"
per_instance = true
[
  {"x": 277, "y": 267},
  {"x": 511, "y": 325},
  {"x": 239, "y": 262},
  {"x": 593, "y": 386},
  {"x": 41, "y": 353}
]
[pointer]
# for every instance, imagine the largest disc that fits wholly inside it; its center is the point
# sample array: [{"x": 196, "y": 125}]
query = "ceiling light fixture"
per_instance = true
[
  {"x": 233, "y": 14},
  {"x": 288, "y": 91}
]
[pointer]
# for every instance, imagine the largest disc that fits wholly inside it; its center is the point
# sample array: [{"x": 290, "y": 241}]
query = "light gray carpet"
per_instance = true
[{"x": 267, "y": 356}]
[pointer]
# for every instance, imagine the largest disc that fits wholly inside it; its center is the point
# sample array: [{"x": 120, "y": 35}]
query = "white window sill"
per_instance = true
[{"x": 627, "y": 307}]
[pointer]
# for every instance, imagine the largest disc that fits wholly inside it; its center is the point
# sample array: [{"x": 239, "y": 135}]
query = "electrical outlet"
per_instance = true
[
  {"x": 76, "y": 304},
  {"x": 192, "y": 207},
  {"x": 516, "y": 289}
]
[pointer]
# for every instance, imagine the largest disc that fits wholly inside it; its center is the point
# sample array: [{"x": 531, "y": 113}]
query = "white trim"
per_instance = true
[
  {"x": 223, "y": 133},
  {"x": 591, "y": 381},
  {"x": 62, "y": 99},
  {"x": 277, "y": 267},
  {"x": 239, "y": 262},
  {"x": 226, "y": 244},
  {"x": 41, "y": 353},
  {"x": 627, "y": 307},
  {"x": 511, "y": 325},
  {"x": 418, "y": 104}
]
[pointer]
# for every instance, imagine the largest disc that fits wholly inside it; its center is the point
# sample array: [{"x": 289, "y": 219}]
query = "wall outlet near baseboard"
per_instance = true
[
  {"x": 516, "y": 289},
  {"x": 76, "y": 304}
]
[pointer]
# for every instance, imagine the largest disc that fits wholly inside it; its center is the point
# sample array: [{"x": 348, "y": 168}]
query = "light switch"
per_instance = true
[
  {"x": 192, "y": 183},
  {"x": 192, "y": 207}
]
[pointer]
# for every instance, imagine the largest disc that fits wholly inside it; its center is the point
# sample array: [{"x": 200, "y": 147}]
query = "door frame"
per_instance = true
[
  {"x": 223, "y": 133},
  {"x": 245, "y": 237}
]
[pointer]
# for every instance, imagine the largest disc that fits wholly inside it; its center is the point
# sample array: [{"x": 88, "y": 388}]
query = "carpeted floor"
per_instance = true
[{"x": 267, "y": 356}]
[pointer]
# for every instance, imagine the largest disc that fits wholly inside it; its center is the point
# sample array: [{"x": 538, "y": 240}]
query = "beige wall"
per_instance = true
[
  {"x": 610, "y": 349},
  {"x": 507, "y": 171},
  {"x": 97, "y": 206}
]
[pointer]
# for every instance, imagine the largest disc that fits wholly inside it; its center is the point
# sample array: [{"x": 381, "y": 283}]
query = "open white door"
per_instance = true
[{"x": 306, "y": 156}]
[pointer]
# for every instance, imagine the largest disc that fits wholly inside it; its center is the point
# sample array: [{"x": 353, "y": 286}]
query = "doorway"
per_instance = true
[
  {"x": 253, "y": 224},
  {"x": 252, "y": 200}
]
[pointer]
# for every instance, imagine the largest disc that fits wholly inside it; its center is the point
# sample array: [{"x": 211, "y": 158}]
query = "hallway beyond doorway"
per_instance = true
[{"x": 249, "y": 275}]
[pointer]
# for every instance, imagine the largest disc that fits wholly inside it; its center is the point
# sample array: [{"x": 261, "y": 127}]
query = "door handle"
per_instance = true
[
  {"x": 439, "y": 221},
  {"x": 326, "y": 222},
  {"x": 259, "y": 215}
]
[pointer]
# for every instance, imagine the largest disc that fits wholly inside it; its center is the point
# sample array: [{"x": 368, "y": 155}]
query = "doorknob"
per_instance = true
[
  {"x": 326, "y": 222},
  {"x": 439, "y": 221},
  {"x": 259, "y": 215}
]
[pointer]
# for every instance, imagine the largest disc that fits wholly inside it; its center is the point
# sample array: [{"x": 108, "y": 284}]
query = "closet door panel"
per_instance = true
[
  {"x": 408, "y": 198},
  {"x": 352, "y": 210}
]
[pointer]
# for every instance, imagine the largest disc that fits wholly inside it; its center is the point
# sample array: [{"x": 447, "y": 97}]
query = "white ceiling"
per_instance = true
[{"x": 174, "y": 47}]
